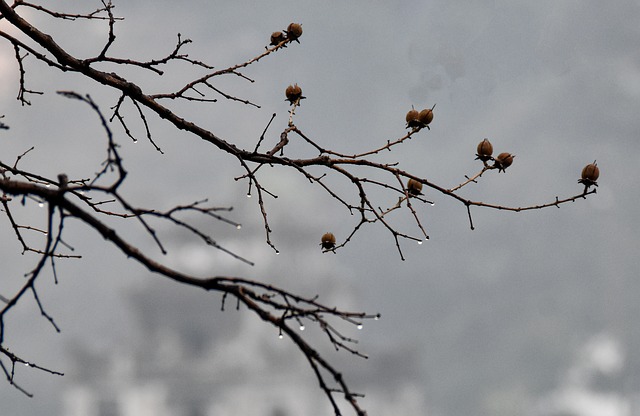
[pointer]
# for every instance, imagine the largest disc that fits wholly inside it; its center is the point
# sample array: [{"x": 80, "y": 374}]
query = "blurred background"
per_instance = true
[{"x": 532, "y": 313}]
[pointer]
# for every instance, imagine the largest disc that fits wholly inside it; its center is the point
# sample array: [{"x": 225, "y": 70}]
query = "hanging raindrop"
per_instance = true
[
  {"x": 420, "y": 242},
  {"x": 301, "y": 327},
  {"x": 248, "y": 195},
  {"x": 239, "y": 226},
  {"x": 432, "y": 203},
  {"x": 359, "y": 326},
  {"x": 40, "y": 204}
]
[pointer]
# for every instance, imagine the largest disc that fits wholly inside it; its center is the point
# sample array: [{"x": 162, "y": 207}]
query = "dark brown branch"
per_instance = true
[
  {"x": 471, "y": 179},
  {"x": 237, "y": 287},
  {"x": 23, "y": 91},
  {"x": 91, "y": 203},
  {"x": 73, "y": 16}
]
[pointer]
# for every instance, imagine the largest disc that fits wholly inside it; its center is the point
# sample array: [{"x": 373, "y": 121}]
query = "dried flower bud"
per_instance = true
[
  {"x": 412, "y": 118},
  {"x": 277, "y": 37},
  {"x": 590, "y": 174},
  {"x": 425, "y": 117},
  {"x": 503, "y": 161},
  {"x": 328, "y": 241},
  {"x": 484, "y": 150},
  {"x": 414, "y": 187},
  {"x": 294, "y": 31},
  {"x": 293, "y": 93}
]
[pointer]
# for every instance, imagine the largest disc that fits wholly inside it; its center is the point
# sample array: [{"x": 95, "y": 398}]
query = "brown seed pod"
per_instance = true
[
  {"x": 425, "y": 117},
  {"x": 277, "y": 37},
  {"x": 484, "y": 150},
  {"x": 503, "y": 161},
  {"x": 412, "y": 118},
  {"x": 294, "y": 31},
  {"x": 328, "y": 241},
  {"x": 414, "y": 187},
  {"x": 293, "y": 93},
  {"x": 590, "y": 174}
]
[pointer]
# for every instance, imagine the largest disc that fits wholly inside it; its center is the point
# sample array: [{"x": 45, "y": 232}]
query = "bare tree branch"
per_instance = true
[{"x": 93, "y": 200}]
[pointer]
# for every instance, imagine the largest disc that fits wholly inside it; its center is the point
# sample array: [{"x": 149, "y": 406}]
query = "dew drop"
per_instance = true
[
  {"x": 248, "y": 195},
  {"x": 420, "y": 242},
  {"x": 26, "y": 364},
  {"x": 432, "y": 203},
  {"x": 40, "y": 204},
  {"x": 359, "y": 326},
  {"x": 48, "y": 185},
  {"x": 135, "y": 140},
  {"x": 301, "y": 327},
  {"x": 277, "y": 252},
  {"x": 239, "y": 226},
  {"x": 280, "y": 336}
]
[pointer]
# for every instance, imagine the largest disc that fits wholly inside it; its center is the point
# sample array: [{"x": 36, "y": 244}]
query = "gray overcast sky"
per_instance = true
[{"x": 492, "y": 315}]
